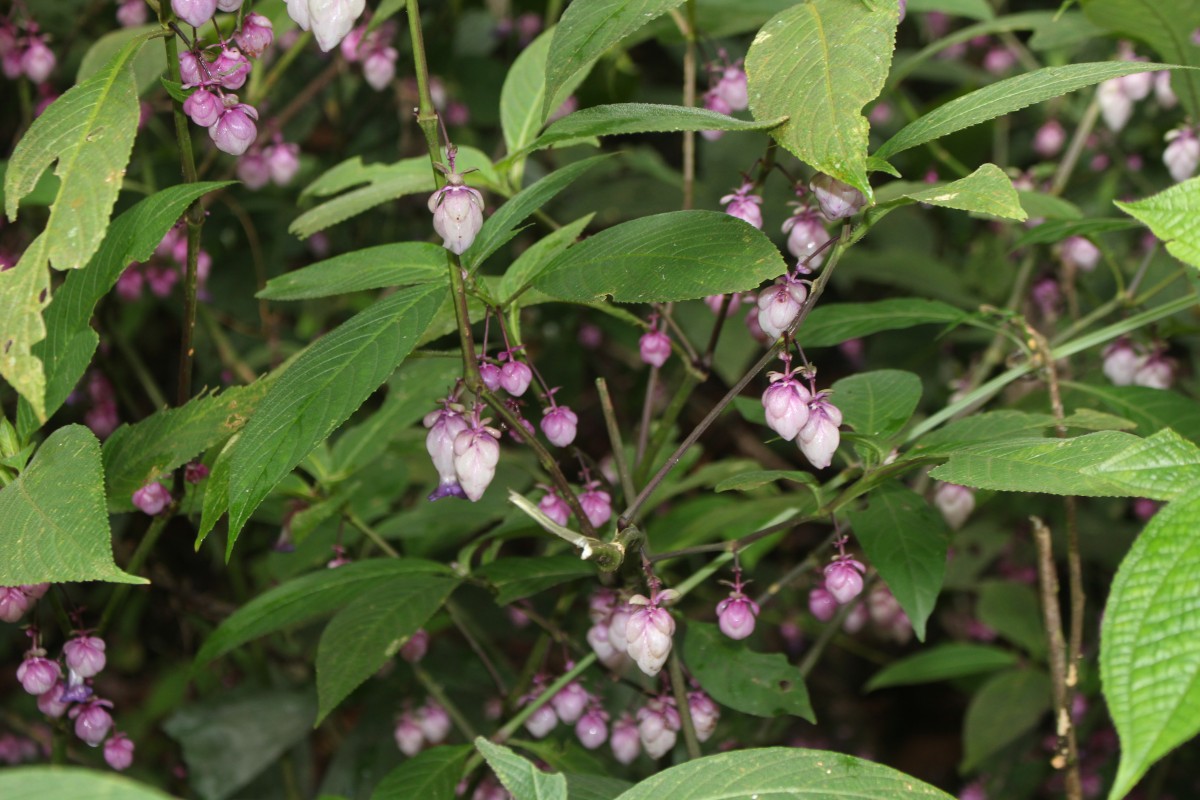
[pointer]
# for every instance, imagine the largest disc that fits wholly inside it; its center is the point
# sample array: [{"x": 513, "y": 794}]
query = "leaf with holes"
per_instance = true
[
  {"x": 987, "y": 190},
  {"x": 763, "y": 684}
]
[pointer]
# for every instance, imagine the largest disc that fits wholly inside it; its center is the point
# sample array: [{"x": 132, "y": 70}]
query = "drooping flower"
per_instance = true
[
  {"x": 515, "y": 376},
  {"x": 658, "y": 724},
  {"x": 203, "y": 108},
  {"x": 785, "y": 402},
  {"x": 822, "y": 604},
  {"x": 415, "y": 648},
  {"x": 1049, "y": 139},
  {"x": 194, "y": 12},
  {"x": 256, "y": 36},
  {"x": 844, "y": 578},
  {"x": 592, "y": 728},
  {"x": 596, "y": 503},
  {"x": 152, "y": 499},
  {"x": 542, "y": 721},
  {"x": 118, "y": 752},
  {"x": 654, "y": 347},
  {"x": 231, "y": 69},
  {"x": 1182, "y": 154},
  {"x": 779, "y": 305},
  {"x": 837, "y": 200},
  {"x": 283, "y": 161},
  {"x": 555, "y": 508},
  {"x": 408, "y": 735},
  {"x": 744, "y": 205},
  {"x": 329, "y": 20},
  {"x": 736, "y": 614},
  {"x": 457, "y": 211},
  {"x": 559, "y": 424},
  {"x": 476, "y": 453},
  {"x": 85, "y": 655},
  {"x": 1079, "y": 253},
  {"x": 955, "y": 502},
  {"x": 235, "y": 130},
  {"x": 570, "y": 701},
  {"x": 1121, "y": 362},
  {"x": 819, "y": 438},
  {"x": 444, "y": 425},
  {"x": 38, "y": 674},
  {"x": 732, "y": 87},
  {"x": 1156, "y": 371},
  {"x": 649, "y": 631},
  {"x": 434, "y": 722},
  {"x": 806, "y": 235},
  {"x": 92, "y": 721},
  {"x": 625, "y": 741},
  {"x": 13, "y": 603},
  {"x": 705, "y": 714}
]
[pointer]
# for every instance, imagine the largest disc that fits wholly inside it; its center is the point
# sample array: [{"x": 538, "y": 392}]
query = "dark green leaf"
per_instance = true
[
  {"x": 833, "y": 323},
  {"x": 520, "y": 776},
  {"x": 531, "y": 263},
  {"x": 877, "y": 403},
  {"x": 977, "y": 429},
  {"x": 1007, "y": 707},
  {"x": 942, "y": 663},
  {"x": 430, "y": 775},
  {"x": 1012, "y": 610},
  {"x": 1151, "y": 409},
  {"x": 747, "y": 481},
  {"x": 384, "y": 265},
  {"x": 595, "y": 787},
  {"x": 1058, "y": 229},
  {"x": 518, "y": 578}
]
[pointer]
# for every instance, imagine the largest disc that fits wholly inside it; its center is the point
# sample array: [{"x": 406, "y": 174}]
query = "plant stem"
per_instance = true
[
  {"x": 435, "y": 691},
  {"x": 665, "y": 425},
  {"x": 1082, "y": 131},
  {"x": 831, "y": 629},
  {"x": 149, "y": 539},
  {"x": 681, "y": 705},
  {"x": 371, "y": 534},
  {"x": 614, "y": 439}
]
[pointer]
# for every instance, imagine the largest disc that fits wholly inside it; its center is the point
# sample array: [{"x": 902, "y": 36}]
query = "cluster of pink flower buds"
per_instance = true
[
  {"x": 1118, "y": 95},
  {"x": 276, "y": 163},
  {"x": 1182, "y": 154},
  {"x": 804, "y": 415},
  {"x": 658, "y": 725},
  {"x": 606, "y": 637},
  {"x": 649, "y": 629},
  {"x": 729, "y": 91},
  {"x": 329, "y": 20},
  {"x": 25, "y": 53},
  {"x": 374, "y": 51},
  {"x": 429, "y": 725},
  {"x": 744, "y": 204},
  {"x": 457, "y": 211},
  {"x": 164, "y": 270},
  {"x": 16, "y": 600},
  {"x": 464, "y": 451},
  {"x": 1128, "y": 365}
]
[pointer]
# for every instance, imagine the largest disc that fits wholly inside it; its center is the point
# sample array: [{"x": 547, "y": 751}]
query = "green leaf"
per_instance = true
[
  {"x": 518, "y": 578},
  {"x": 403, "y": 264},
  {"x": 499, "y": 227},
  {"x": 682, "y": 255},
  {"x": 148, "y": 64},
  {"x": 55, "y": 528},
  {"x": 370, "y": 630},
  {"x": 89, "y": 132},
  {"x": 748, "y": 481},
  {"x": 148, "y": 450},
  {"x": 1058, "y": 229},
  {"x": 226, "y": 745},
  {"x": 41, "y": 783},
  {"x": 977, "y": 429},
  {"x": 1006, "y": 708},
  {"x": 833, "y": 323},
  {"x": 974, "y": 9},
  {"x": 595, "y": 787},
  {"x": 1029, "y": 20},
  {"x": 319, "y": 391},
  {"x": 1173, "y": 215},
  {"x": 584, "y": 33},
  {"x": 306, "y": 598},
  {"x": 1165, "y": 25},
  {"x": 519, "y": 776},
  {"x": 531, "y": 263},
  {"x": 430, "y": 775},
  {"x": 1049, "y": 466},
  {"x": 773, "y": 773},
  {"x": 1151, "y": 409},
  {"x": 1150, "y": 642},
  {"x": 1005, "y": 97},
  {"x": 1161, "y": 467},
  {"x": 945, "y": 662},
  {"x": 216, "y": 492},
  {"x": 877, "y": 403},
  {"x": 70, "y": 339},
  {"x": 762, "y": 684},
  {"x": 524, "y": 94},
  {"x": 819, "y": 63},
  {"x": 1012, "y": 610},
  {"x": 906, "y": 541},
  {"x": 987, "y": 190}
]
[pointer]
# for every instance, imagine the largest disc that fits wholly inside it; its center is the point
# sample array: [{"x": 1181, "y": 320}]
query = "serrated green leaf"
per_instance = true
[
  {"x": 518, "y": 578},
  {"x": 1006, "y": 708},
  {"x": 584, "y": 33},
  {"x": 990, "y": 426},
  {"x": 1012, "y": 610},
  {"x": 1151, "y": 409},
  {"x": 520, "y": 776},
  {"x": 306, "y": 598},
  {"x": 39, "y": 783},
  {"x": 429, "y": 775},
  {"x": 531, "y": 262},
  {"x": 55, "y": 528},
  {"x": 1161, "y": 467},
  {"x": 782, "y": 772},
  {"x": 1150, "y": 642},
  {"x": 763, "y": 684},
  {"x": 524, "y": 94},
  {"x": 819, "y": 63},
  {"x": 148, "y": 64},
  {"x": 403, "y": 264},
  {"x": 908, "y": 64},
  {"x": 595, "y": 787},
  {"x": 906, "y": 541},
  {"x": 1173, "y": 215},
  {"x": 748, "y": 481},
  {"x": 319, "y": 391},
  {"x": 941, "y": 663},
  {"x": 877, "y": 403},
  {"x": 973, "y": 9},
  {"x": 1165, "y": 25},
  {"x": 216, "y": 492},
  {"x": 1049, "y": 466},
  {"x": 89, "y": 132},
  {"x": 370, "y": 630},
  {"x": 1005, "y": 97},
  {"x": 682, "y": 255},
  {"x": 987, "y": 190},
  {"x": 833, "y": 323}
]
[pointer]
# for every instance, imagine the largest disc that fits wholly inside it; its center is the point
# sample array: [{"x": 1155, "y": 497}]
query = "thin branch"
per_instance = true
[
  {"x": 614, "y": 438},
  {"x": 690, "y": 739}
]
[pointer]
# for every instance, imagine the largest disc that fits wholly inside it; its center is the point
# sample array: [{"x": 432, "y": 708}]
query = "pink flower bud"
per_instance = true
[
  {"x": 733, "y": 89},
  {"x": 1163, "y": 92},
  {"x": 408, "y": 735},
  {"x": 35, "y": 591},
  {"x": 785, "y": 402},
  {"x": 1049, "y": 139},
  {"x": 592, "y": 728},
  {"x": 231, "y": 69},
  {"x": 625, "y": 741},
  {"x": 602, "y": 646},
  {"x": 648, "y": 634},
  {"x": 819, "y": 438},
  {"x": 51, "y": 702},
  {"x": 779, "y": 305},
  {"x": 229, "y": 6},
  {"x": 515, "y": 376},
  {"x": 85, "y": 655},
  {"x": 559, "y": 424},
  {"x": 434, "y": 722},
  {"x": 152, "y": 499},
  {"x": 476, "y": 453},
  {"x": 118, "y": 752},
  {"x": 856, "y": 619},
  {"x": 618, "y": 627},
  {"x": 744, "y": 206},
  {"x": 13, "y": 603},
  {"x": 283, "y": 161},
  {"x": 555, "y": 508},
  {"x": 131, "y": 13},
  {"x": 379, "y": 67},
  {"x": 38, "y": 675},
  {"x": 658, "y": 724},
  {"x": 457, "y": 214},
  {"x": 973, "y": 791},
  {"x": 541, "y": 722},
  {"x": 806, "y": 234},
  {"x": 836, "y": 199},
  {"x": 256, "y": 36},
  {"x": 822, "y": 604},
  {"x": 189, "y": 69},
  {"x": 235, "y": 131},
  {"x": 715, "y": 301},
  {"x": 999, "y": 60},
  {"x": 253, "y": 170},
  {"x": 444, "y": 425},
  {"x": 655, "y": 347},
  {"x": 955, "y": 502},
  {"x": 194, "y": 12},
  {"x": 1155, "y": 372},
  {"x": 569, "y": 702},
  {"x": 843, "y": 579},
  {"x": 92, "y": 721},
  {"x": 1182, "y": 154},
  {"x": 195, "y": 473},
  {"x": 705, "y": 714},
  {"x": 415, "y": 648},
  {"x": 38, "y": 60},
  {"x": 490, "y": 374},
  {"x": 162, "y": 279},
  {"x": 713, "y": 101},
  {"x": 1121, "y": 362},
  {"x": 597, "y": 505},
  {"x": 1116, "y": 106},
  {"x": 736, "y": 615},
  {"x": 1046, "y": 295},
  {"x": 1079, "y": 253}
]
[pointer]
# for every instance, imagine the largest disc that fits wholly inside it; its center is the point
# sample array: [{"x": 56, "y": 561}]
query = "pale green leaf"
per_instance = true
[
  {"x": 1173, "y": 215},
  {"x": 763, "y": 684},
  {"x": 1006, "y": 708},
  {"x": 216, "y": 492},
  {"x": 906, "y": 541},
  {"x": 531, "y": 262},
  {"x": 942, "y": 663},
  {"x": 1161, "y": 467},
  {"x": 681, "y": 255},
  {"x": 41, "y": 783},
  {"x": 976, "y": 429},
  {"x": 877, "y": 403},
  {"x": 402, "y": 264},
  {"x": 584, "y": 33},
  {"x": 775, "y": 773},
  {"x": 1151, "y": 409},
  {"x": 431, "y": 774},
  {"x": 524, "y": 93},
  {"x": 148, "y": 64},
  {"x": 819, "y": 63},
  {"x": 370, "y": 630},
  {"x": 987, "y": 190},
  {"x": 518, "y": 578},
  {"x": 756, "y": 479},
  {"x": 1150, "y": 642},
  {"x": 1005, "y": 97},
  {"x": 55, "y": 528},
  {"x": 973, "y": 9},
  {"x": 833, "y": 323},
  {"x": 319, "y": 391},
  {"x": 520, "y": 776}
]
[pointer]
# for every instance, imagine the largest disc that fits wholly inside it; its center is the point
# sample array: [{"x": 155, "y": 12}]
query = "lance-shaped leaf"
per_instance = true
[
  {"x": 400, "y": 264},
  {"x": 987, "y": 190},
  {"x": 1173, "y": 215},
  {"x": 39, "y": 783},
  {"x": 819, "y": 63}
]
